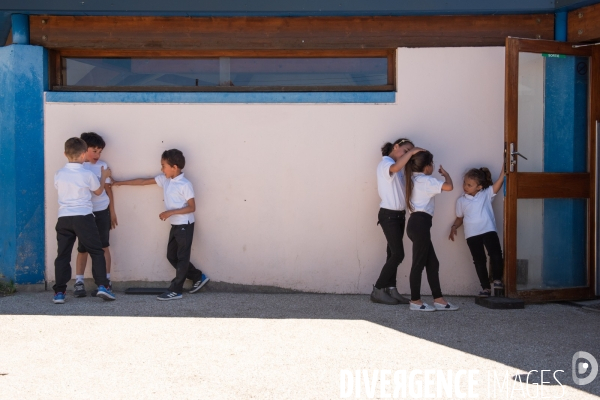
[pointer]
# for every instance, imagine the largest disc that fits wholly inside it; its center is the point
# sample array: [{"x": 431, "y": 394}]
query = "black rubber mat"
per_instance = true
[
  {"x": 145, "y": 290},
  {"x": 499, "y": 303}
]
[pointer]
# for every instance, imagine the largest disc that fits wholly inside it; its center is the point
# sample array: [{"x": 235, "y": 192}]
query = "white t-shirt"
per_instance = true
[
  {"x": 390, "y": 187},
  {"x": 177, "y": 192},
  {"x": 101, "y": 202},
  {"x": 74, "y": 184},
  {"x": 425, "y": 187},
  {"x": 477, "y": 212}
]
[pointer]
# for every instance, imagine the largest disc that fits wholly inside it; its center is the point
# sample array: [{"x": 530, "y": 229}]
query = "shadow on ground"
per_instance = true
[{"x": 540, "y": 337}]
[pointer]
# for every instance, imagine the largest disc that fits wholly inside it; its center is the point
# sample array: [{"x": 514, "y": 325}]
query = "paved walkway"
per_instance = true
[{"x": 283, "y": 346}]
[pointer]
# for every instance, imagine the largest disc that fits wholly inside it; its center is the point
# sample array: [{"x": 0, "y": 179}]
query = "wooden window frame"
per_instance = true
[{"x": 57, "y": 69}]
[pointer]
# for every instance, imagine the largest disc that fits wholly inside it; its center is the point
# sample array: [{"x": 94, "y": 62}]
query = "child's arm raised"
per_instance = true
[
  {"x": 499, "y": 182},
  {"x": 404, "y": 159},
  {"x": 191, "y": 207},
  {"x": 104, "y": 174},
  {"x": 454, "y": 228},
  {"x": 447, "y": 186},
  {"x": 136, "y": 182}
]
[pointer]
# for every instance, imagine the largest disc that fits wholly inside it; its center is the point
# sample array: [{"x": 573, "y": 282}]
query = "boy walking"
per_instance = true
[
  {"x": 179, "y": 201},
  {"x": 75, "y": 186},
  {"x": 103, "y": 207}
]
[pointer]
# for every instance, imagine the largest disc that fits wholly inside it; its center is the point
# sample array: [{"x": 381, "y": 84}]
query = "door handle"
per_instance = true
[
  {"x": 516, "y": 153},
  {"x": 513, "y": 157}
]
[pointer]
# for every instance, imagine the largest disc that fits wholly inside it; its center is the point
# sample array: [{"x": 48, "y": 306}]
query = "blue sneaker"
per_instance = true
[
  {"x": 59, "y": 298},
  {"x": 105, "y": 293},
  {"x": 199, "y": 283}
]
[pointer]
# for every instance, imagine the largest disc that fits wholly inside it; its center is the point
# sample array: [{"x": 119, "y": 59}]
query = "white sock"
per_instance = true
[
  {"x": 108, "y": 276},
  {"x": 78, "y": 278}
]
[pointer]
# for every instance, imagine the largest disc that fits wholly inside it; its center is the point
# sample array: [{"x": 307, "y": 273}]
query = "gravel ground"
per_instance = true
[{"x": 283, "y": 346}]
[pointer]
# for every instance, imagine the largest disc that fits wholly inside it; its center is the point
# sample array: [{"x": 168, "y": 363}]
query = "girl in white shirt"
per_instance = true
[
  {"x": 391, "y": 217},
  {"x": 421, "y": 188},
  {"x": 474, "y": 210}
]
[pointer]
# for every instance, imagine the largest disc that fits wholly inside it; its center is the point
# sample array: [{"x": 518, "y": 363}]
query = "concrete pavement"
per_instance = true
[{"x": 284, "y": 346}]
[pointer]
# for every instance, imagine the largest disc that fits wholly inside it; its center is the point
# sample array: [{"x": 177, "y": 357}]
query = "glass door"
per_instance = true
[{"x": 550, "y": 148}]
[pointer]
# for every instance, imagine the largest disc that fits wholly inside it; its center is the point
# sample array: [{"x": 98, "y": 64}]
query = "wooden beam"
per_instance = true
[
  {"x": 534, "y": 185},
  {"x": 262, "y": 33},
  {"x": 584, "y": 24}
]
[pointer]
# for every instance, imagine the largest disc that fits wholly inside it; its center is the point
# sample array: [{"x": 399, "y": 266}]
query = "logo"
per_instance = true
[{"x": 590, "y": 365}]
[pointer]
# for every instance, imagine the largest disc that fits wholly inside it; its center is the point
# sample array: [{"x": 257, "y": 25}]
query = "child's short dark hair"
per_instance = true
[
  {"x": 482, "y": 176},
  {"x": 93, "y": 140},
  {"x": 174, "y": 157},
  {"x": 74, "y": 147}
]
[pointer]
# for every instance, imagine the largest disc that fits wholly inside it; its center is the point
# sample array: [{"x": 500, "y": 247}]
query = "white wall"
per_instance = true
[{"x": 286, "y": 193}]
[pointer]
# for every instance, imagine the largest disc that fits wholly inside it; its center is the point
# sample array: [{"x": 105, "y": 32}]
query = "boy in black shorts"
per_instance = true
[
  {"x": 75, "y": 186},
  {"x": 103, "y": 207}
]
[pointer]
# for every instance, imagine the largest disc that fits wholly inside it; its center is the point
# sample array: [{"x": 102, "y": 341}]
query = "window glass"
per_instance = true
[{"x": 226, "y": 71}]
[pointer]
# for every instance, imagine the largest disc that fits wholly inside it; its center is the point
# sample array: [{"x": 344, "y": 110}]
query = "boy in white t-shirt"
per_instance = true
[
  {"x": 180, "y": 203},
  {"x": 103, "y": 207},
  {"x": 75, "y": 186}
]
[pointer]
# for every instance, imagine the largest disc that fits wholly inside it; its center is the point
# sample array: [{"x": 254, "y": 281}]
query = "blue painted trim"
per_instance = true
[
  {"x": 560, "y": 26},
  {"x": 279, "y": 8},
  {"x": 211, "y": 97},
  {"x": 274, "y": 8},
  {"x": 20, "y": 28},
  {"x": 23, "y": 80}
]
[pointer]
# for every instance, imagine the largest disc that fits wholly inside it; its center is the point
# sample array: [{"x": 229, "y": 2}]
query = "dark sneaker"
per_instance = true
[
  {"x": 95, "y": 291},
  {"x": 381, "y": 296},
  {"x": 498, "y": 285},
  {"x": 421, "y": 307},
  {"x": 79, "y": 290},
  {"x": 484, "y": 293},
  {"x": 393, "y": 292},
  {"x": 59, "y": 298},
  {"x": 169, "y": 296},
  {"x": 445, "y": 307},
  {"x": 199, "y": 283},
  {"x": 105, "y": 293}
]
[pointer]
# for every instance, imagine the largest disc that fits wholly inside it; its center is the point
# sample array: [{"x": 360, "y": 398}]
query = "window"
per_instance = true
[{"x": 243, "y": 71}]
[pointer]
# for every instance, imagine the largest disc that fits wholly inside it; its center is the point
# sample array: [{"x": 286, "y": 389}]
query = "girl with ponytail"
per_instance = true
[
  {"x": 392, "y": 216},
  {"x": 421, "y": 188},
  {"x": 474, "y": 210}
]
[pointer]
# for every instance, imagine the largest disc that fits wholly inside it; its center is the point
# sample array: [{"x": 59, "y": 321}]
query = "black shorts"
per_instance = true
[{"x": 102, "y": 219}]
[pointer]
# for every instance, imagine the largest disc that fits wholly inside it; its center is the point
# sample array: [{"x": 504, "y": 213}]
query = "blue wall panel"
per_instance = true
[
  {"x": 565, "y": 150},
  {"x": 23, "y": 80}
]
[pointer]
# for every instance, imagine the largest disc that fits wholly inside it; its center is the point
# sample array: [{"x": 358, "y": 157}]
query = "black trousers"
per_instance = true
[
  {"x": 179, "y": 249},
  {"x": 491, "y": 242},
  {"x": 418, "y": 230},
  {"x": 392, "y": 222},
  {"x": 84, "y": 228}
]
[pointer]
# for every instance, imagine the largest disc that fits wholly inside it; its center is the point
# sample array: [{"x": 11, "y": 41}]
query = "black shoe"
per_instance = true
[
  {"x": 381, "y": 296},
  {"x": 169, "y": 296},
  {"x": 393, "y": 292},
  {"x": 79, "y": 290},
  {"x": 199, "y": 283}
]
